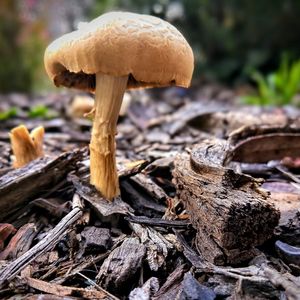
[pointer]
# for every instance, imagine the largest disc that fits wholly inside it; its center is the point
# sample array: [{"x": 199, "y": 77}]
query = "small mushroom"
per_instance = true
[
  {"x": 26, "y": 146},
  {"x": 115, "y": 52}
]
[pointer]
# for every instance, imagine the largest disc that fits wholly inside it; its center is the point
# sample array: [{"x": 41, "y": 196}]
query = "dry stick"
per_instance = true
[
  {"x": 54, "y": 236},
  {"x": 97, "y": 287}
]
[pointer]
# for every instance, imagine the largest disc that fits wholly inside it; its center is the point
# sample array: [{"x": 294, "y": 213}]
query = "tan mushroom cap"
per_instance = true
[{"x": 151, "y": 51}]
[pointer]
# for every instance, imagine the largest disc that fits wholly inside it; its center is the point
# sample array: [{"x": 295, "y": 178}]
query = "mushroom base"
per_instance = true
[{"x": 108, "y": 100}]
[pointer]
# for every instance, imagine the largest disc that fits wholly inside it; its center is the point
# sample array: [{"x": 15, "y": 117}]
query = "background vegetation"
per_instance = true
[{"x": 231, "y": 39}]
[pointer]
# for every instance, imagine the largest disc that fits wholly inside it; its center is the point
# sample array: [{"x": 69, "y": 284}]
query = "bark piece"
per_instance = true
[
  {"x": 122, "y": 265},
  {"x": 285, "y": 281},
  {"x": 157, "y": 246},
  {"x": 140, "y": 200},
  {"x": 145, "y": 292},
  {"x": 230, "y": 211},
  {"x": 248, "y": 289},
  {"x": 20, "y": 242},
  {"x": 150, "y": 187},
  {"x": 192, "y": 289},
  {"x": 5, "y": 231},
  {"x": 263, "y": 143},
  {"x": 95, "y": 240},
  {"x": 31, "y": 180},
  {"x": 103, "y": 207},
  {"x": 171, "y": 287}
]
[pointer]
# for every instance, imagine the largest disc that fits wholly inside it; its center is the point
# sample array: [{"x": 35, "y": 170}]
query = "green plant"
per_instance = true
[
  {"x": 12, "y": 112},
  {"x": 41, "y": 111},
  {"x": 278, "y": 88},
  {"x": 228, "y": 38}
]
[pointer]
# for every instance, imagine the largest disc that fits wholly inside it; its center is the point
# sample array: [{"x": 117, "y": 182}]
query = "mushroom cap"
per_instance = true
[{"x": 152, "y": 52}]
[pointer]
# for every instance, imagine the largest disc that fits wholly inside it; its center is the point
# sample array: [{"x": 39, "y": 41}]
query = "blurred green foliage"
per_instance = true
[
  {"x": 13, "y": 73},
  {"x": 21, "y": 50},
  {"x": 279, "y": 87},
  {"x": 10, "y": 113},
  {"x": 230, "y": 38},
  {"x": 41, "y": 111}
]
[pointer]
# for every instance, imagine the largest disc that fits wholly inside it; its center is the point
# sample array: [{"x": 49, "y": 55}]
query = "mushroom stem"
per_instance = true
[{"x": 108, "y": 100}]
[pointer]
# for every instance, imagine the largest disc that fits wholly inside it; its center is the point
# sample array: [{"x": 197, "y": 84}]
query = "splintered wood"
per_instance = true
[
  {"x": 26, "y": 146},
  {"x": 230, "y": 211}
]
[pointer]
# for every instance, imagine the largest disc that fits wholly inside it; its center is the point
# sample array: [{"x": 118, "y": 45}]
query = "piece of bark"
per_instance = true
[
  {"x": 149, "y": 288},
  {"x": 95, "y": 240},
  {"x": 230, "y": 211},
  {"x": 60, "y": 290},
  {"x": 286, "y": 281},
  {"x": 191, "y": 289},
  {"x": 150, "y": 187},
  {"x": 34, "y": 179},
  {"x": 248, "y": 289},
  {"x": 121, "y": 266},
  {"x": 20, "y": 242},
  {"x": 131, "y": 168},
  {"x": 157, "y": 247},
  {"x": 53, "y": 206},
  {"x": 170, "y": 288},
  {"x": 140, "y": 200},
  {"x": 5, "y": 231},
  {"x": 102, "y": 207},
  {"x": 257, "y": 144},
  {"x": 290, "y": 232}
]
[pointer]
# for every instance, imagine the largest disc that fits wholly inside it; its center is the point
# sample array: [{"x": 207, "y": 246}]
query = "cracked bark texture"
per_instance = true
[{"x": 230, "y": 211}]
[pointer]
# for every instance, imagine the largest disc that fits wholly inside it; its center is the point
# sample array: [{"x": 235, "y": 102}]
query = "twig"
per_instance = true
[{"x": 94, "y": 284}]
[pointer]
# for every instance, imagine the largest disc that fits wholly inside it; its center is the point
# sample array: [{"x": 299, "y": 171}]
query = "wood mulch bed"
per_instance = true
[{"x": 209, "y": 205}]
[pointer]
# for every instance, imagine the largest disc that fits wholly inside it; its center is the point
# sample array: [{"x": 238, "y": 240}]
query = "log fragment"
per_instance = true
[
  {"x": 230, "y": 211},
  {"x": 34, "y": 179}
]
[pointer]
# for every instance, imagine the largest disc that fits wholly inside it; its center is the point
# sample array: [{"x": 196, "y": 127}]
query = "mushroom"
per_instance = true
[
  {"x": 112, "y": 53},
  {"x": 26, "y": 146}
]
